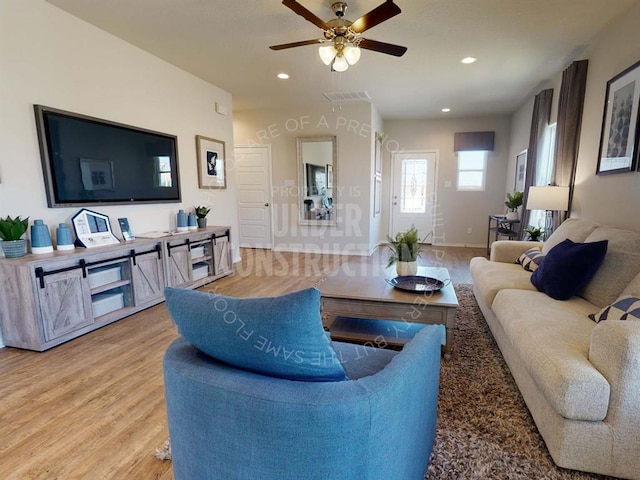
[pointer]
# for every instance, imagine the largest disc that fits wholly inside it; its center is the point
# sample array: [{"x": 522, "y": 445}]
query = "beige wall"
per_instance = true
[
  {"x": 51, "y": 58},
  {"x": 610, "y": 199},
  {"x": 352, "y": 125},
  {"x": 456, "y": 211}
]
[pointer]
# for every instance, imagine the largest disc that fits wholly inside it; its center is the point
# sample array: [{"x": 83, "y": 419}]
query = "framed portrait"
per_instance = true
[
  {"x": 212, "y": 166},
  {"x": 619, "y": 136},
  {"x": 521, "y": 172},
  {"x": 377, "y": 197}
]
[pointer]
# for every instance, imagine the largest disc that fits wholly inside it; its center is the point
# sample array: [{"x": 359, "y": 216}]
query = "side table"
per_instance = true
[{"x": 502, "y": 227}]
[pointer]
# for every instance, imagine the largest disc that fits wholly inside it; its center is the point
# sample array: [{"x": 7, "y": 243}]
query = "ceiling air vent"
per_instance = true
[{"x": 348, "y": 96}]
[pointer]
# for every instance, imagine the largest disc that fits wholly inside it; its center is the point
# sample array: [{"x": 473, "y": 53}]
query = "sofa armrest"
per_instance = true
[
  {"x": 615, "y": 352},
  {"x": 508, "y": 251}
]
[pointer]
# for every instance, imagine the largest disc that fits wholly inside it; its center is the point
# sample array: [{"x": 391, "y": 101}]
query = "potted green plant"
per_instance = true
[
  {"x": 513, "y": 203},
  {"x": 201, "y": 213},
  {"x": 405, "y": 250},
  {"x": 11, "y": 233},
  {"x": 534, "y": 233}
]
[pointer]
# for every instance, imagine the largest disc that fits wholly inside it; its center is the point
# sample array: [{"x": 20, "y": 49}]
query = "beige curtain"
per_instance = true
[
  {"x": 570, "y": 106},
  {"x": 539, "y": 121}
]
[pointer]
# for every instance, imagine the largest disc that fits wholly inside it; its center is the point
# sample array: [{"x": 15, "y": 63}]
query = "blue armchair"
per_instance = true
[{"x": 228, "y": 423}]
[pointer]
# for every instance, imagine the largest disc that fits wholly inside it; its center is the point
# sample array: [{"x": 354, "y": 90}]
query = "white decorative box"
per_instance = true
[
  {"x": 103, "y": 303},
  {"x": 197, "y": 252},
  {"x": 200, "y": 270},
  {"x": 104, "y": 275}
]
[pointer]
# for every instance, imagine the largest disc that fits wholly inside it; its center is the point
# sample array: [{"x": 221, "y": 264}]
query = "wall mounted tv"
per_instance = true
[{"x": 89, "y": 161}]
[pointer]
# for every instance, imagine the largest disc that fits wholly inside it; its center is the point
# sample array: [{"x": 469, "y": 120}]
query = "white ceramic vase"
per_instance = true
[
  {"x": 512, "y": 215},
  {"x": 407, "y": 268}
]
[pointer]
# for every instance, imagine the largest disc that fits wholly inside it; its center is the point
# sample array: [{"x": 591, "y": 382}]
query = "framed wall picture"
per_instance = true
[
  {"x": 212, "y": 167},
  {"x": 377, "y": 197},
  {"x": 521, "y": 172},
  {"x": 619, "y": 136},
  {"x": 378, "y": 153}
]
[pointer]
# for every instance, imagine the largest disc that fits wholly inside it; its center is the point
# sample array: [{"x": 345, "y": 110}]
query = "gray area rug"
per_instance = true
[{"x": 484, "y": 429}]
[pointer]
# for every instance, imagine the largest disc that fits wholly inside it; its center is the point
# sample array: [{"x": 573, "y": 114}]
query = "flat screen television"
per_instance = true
[{"x": 89, "y": 161}]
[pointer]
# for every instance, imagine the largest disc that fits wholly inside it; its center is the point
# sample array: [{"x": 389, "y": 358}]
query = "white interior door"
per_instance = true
[
  {"x": 413, "y": 192},
  {"x": 253, "y": 179}
]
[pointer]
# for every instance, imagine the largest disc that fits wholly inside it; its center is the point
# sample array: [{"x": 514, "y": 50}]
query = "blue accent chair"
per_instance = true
[{"x": 227, "y": 423}]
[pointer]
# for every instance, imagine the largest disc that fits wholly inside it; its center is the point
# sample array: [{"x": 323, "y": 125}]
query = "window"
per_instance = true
[
  {"x": 413, "y": 190},
  {"x": 472, "y": 166},
  {"x": 163, "y": 171},
  {"x": 544, "y": 170}
]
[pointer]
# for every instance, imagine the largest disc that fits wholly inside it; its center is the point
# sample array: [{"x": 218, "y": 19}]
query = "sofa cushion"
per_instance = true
[
  {"x": 574, "y": 229},
  {"x": 277, "y": 336},
  {"x": 624, "y": 308},
  {"x": 621, "y": 264},
  {"x": 568, "y": 267},
  {"x": 530, "y": 260},
  {"x": 552, "y": 340},
  {"x": 491, "y": 277}
]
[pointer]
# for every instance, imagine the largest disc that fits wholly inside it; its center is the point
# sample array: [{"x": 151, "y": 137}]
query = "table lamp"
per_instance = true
[{"x": 549, "y": 198}]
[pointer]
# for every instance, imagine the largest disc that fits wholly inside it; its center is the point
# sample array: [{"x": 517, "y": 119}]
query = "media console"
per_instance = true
[{"x": 48, "y": 299}]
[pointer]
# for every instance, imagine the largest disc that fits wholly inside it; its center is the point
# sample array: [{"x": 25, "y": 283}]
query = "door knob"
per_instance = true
[{"x": 266, "y": 204}]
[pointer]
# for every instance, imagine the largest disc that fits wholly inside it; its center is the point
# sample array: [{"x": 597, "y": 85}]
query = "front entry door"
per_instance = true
[
  {"x": 413, "y": 192},
  {"x": 253, "y": 178}
]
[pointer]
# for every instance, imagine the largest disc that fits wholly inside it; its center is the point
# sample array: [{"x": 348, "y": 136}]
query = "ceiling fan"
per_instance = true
[{"x": 342, "y": 37}]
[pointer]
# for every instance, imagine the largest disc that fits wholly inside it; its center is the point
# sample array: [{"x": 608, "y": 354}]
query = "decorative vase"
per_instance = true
[
  {"x": 512, "y": 215},
  {"x": 40, "y": 238},
  {"x": 181, "y": 221},
  {"x": 202, "y": 223},
  {"x": 407, "y": 268},
  {"x": 191, "y": 221},
  {"x": 63, "y": 237},
  {"x": 14, "y": 248}
]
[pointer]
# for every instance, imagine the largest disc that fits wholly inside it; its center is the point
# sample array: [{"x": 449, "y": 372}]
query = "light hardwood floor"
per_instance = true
[{"x": 93, "y": 408}]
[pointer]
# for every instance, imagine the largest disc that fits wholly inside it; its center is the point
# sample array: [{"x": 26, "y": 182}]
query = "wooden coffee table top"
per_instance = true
[{"x": 362, "y": 280}]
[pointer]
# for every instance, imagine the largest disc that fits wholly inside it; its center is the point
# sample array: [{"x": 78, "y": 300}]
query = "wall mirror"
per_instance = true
[{"x": 317, "y": 167}]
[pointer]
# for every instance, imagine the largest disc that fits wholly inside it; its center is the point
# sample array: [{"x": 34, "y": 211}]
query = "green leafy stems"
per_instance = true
[
  {"x": 202, "y": 211},
  {"x": 13, "y": 228},
  {"x": 514, "y": 201},
  {"x": 405, "y": 247}
]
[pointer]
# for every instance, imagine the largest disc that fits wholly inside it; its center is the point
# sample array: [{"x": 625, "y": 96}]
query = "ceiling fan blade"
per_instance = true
[
  {"x": 376, "y": 16},
  {"x": 296, "y": 44},
  {"x": 388, "y": 48},
  {"x": 303, "y": 12}
]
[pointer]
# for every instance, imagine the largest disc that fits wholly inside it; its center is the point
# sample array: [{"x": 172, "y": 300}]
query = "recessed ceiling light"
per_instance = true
[
  {"x": 283, "y": 76},
  {"x": 469, "y": 60},
  {"x": 446, "y": 109}
]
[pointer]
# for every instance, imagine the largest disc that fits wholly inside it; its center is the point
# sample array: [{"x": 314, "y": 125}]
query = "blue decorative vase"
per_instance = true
[
  {"x": 63, "y": 237},
  {"x": 192, "y": 221},
  {"x": 181, "y": 222},
  {"x": 40, "y": 238}
]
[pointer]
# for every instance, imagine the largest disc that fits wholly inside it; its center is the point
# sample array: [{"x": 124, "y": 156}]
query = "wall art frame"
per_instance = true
[
  {"x": 521, "y": 172},
  {"x": 618, "y": 151},
  {"x": 212, "y": 163}
]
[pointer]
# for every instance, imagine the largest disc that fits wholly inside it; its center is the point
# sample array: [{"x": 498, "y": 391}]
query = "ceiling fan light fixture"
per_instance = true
[
  {"x": 352, "y": 54},
  {"x": 340, "y": 64},
  {"x": 327, "y": 54}
]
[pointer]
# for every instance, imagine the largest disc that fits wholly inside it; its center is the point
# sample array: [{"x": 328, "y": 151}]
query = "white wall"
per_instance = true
[
  {"x": 51, "y": 58},
  {"x": 456, "y": 211},
  {"x": 352, "y": 127}
]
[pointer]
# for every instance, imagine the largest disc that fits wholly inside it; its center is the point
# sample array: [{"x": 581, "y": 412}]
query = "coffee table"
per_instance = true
[{"x": 358, "y": 304}]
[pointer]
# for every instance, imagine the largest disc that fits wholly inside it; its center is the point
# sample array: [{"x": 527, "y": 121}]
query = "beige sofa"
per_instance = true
[{"x": 580, "y": 379}]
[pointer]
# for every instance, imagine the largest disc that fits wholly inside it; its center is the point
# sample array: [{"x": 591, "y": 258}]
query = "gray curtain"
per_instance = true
[
  {"x": 570, "y": 106},
  {"x": 539, "y": 121}
]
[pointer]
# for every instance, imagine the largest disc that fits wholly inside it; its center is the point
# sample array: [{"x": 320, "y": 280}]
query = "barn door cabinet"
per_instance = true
[{"x": 49, "y": 299}]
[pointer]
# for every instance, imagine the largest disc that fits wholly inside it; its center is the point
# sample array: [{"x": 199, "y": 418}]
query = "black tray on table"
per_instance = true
[{"x": 416, "y": 283}]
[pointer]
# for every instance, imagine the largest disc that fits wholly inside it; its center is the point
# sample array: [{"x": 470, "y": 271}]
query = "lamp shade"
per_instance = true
[
  {"x": 548, "y": 198},
  {"x": 352, "y": 54},
  {"x": 327, "y": 53},
  {"x": 340, "y": 64}
]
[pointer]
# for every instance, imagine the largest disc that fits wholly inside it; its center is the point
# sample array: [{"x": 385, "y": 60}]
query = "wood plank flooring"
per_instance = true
[{"x": 93, "y": 408}]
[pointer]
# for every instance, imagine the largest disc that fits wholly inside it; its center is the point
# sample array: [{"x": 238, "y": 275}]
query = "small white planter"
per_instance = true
[
  {"x": 512, "y": 215},
  {"x": 407, "y": 268}
]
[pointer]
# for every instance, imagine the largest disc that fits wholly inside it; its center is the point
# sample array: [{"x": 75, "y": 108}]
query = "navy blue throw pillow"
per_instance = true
[{"x": 568, "y": 267}]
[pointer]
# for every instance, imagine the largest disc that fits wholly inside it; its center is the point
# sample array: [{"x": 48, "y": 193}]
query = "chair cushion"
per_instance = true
[
  {"x": 530, "y": 260},
  {"x": 277, "y": 336},
  {"x": 568, "y": 267},
  {"x": 625, "y": 308}
]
